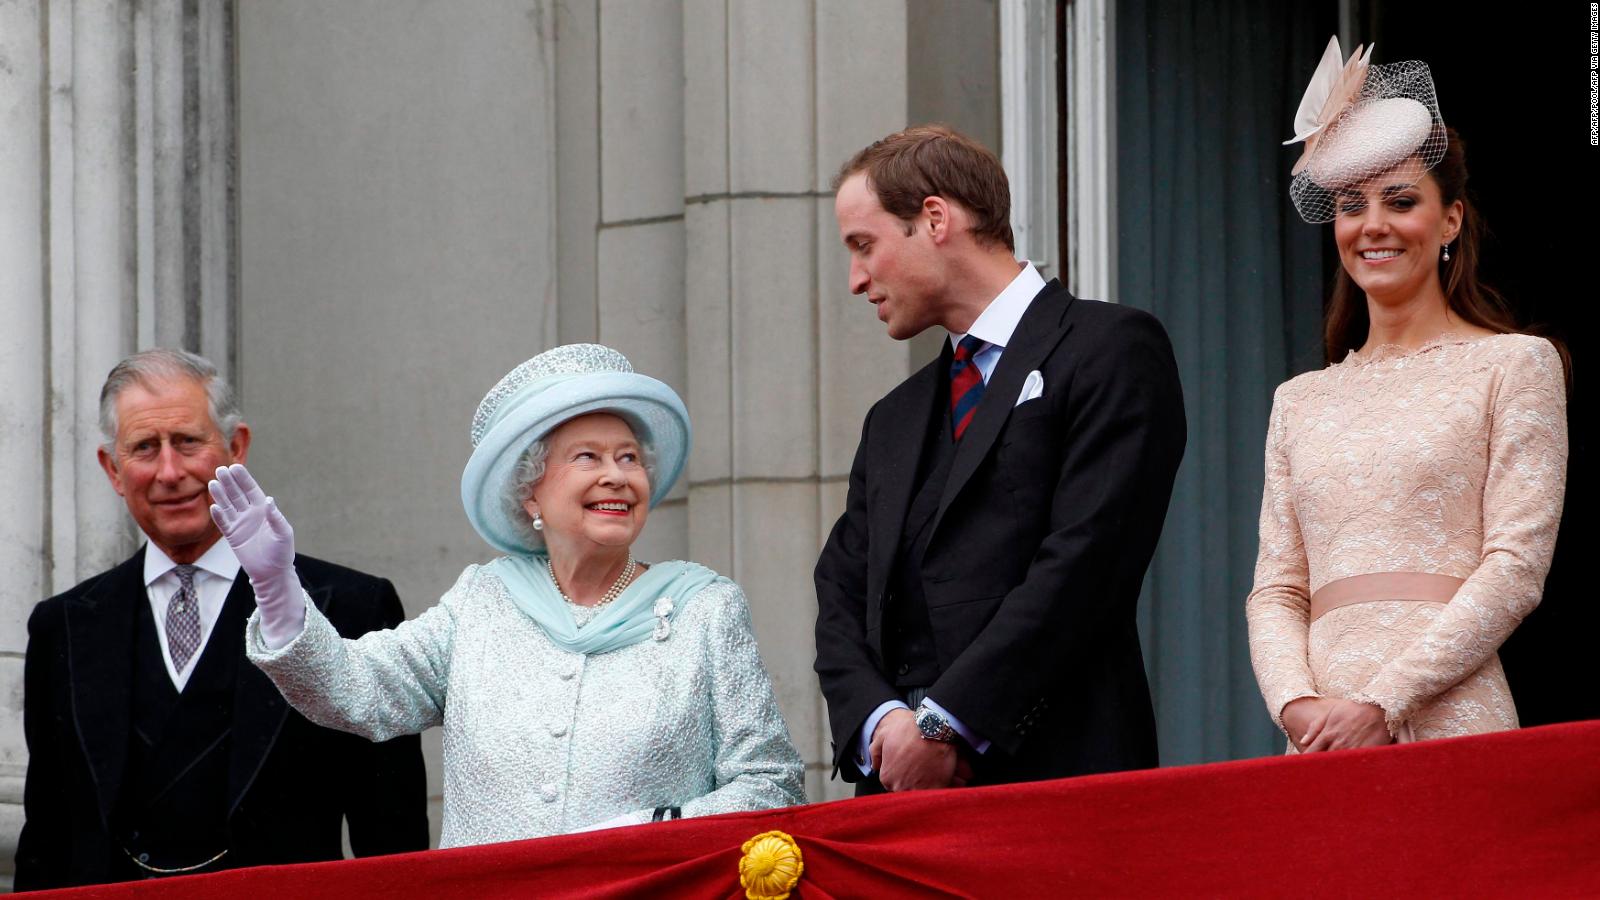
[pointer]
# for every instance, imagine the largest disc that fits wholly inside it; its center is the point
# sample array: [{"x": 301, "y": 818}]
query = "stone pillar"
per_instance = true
[
  {"x": 25, "y": 361},
  {"x": 640, "y": 232},
  {"x": 115, "y": 234},
  {"x": 785, "y": 361}
]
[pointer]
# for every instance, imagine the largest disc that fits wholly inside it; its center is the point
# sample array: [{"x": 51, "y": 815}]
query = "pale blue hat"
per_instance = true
[{"x": 560, "y": 384}]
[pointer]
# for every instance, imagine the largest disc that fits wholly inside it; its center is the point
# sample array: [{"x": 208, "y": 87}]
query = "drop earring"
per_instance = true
[
  {"x": 1446, "y": 252},
  {"x": 538, "y": 523}
]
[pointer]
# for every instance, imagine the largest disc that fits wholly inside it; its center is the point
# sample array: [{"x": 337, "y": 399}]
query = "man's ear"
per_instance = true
[
  {"x": 936, "y": 212},
  {"x": 110, "y": 465},
  {"x": 239, "y": 447}
]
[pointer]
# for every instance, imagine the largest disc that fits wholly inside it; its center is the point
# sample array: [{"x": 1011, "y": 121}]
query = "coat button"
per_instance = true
[
  {"x": 904, "y": 668},
  {"x": 548, "y": 793},
  {"x": 558, "y": 730},
  {"x": 144, "y": 857}
]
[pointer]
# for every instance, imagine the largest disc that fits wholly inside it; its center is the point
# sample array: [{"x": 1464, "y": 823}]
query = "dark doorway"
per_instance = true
[{"x": 1515, "y": 84}]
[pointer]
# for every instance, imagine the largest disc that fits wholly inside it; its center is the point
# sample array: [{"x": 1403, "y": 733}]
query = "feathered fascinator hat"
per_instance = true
[{"x": 1358, "y": 121}]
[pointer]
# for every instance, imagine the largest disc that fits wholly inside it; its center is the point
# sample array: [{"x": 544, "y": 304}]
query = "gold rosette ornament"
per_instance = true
[{"x": 770, "y": 867}]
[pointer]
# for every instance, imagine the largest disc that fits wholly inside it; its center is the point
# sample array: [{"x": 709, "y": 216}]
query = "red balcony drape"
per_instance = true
[{"x": 1512, "y": 815}]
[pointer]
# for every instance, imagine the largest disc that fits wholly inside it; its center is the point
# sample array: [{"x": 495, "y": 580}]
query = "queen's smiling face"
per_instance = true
[
  {"x": 595, "y": 492},
  {"x": 1391, "y": 230}
]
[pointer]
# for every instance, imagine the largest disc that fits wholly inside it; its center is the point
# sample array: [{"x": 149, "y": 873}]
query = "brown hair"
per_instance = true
[
  {"x": 924, "y": 161},
  {"x": 1346, "y": 324}
]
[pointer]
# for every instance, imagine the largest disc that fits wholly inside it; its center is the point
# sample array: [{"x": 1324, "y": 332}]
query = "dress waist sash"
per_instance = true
[{"x": 1423, "y": 586}]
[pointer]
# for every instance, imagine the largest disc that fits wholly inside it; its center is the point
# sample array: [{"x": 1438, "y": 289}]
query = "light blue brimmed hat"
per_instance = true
[{"x": 560, "y": 384}]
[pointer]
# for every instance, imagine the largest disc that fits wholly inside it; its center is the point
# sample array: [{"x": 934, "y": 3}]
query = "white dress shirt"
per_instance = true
[
  {"x": 998, "y": 321},
  {"x": 214, "y": 573},
  {"x": 994, "y": 326}
]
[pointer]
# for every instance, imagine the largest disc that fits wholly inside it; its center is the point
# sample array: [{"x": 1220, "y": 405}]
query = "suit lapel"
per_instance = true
[
  {"x": 100, "y": 637},
  {"x": 896, "y": 454},
  {"x": 1041, "y": 328},
  {"x": 259, "y": 710}
]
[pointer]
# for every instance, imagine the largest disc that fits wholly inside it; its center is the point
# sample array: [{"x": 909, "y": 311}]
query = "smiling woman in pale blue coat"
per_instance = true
[{"x": 578, "y": 688}]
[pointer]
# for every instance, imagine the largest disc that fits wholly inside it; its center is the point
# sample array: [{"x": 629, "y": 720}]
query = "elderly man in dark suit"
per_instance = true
[
  {"x": 976, "y": 599},
  {"x": 154, "y": 748}
]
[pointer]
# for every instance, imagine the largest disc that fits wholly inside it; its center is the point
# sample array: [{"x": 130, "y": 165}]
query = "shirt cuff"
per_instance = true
[
  {"x": 864, "y": 748},
  {"x": 978, "y": 745}
]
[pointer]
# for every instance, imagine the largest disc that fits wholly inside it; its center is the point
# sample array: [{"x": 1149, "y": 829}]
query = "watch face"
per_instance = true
[{"x": 932, "y": 725}]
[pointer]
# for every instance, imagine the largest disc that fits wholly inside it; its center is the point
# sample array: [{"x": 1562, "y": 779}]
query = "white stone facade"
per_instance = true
[{"x": 367, "y": 211}]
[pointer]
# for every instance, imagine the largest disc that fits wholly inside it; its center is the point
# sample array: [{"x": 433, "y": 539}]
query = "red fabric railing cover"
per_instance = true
[{"x": 1515, "y": 814}]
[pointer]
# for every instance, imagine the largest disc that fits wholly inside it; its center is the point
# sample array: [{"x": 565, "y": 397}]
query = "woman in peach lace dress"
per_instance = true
[{"x": 1414, "y": 486}]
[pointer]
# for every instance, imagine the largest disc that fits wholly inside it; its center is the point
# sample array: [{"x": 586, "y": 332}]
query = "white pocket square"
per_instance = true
[{"x": 1032, "y": 388}]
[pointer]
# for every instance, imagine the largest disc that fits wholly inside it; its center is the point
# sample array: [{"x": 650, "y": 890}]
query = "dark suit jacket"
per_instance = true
[
  {"x": 1036, "y": 555},
  {"x": 290, "y": 783}
]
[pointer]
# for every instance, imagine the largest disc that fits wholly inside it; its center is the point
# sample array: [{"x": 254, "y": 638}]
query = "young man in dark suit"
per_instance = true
[
  {"x": 976, "y": 599},
  {"x": 154, "y": 747}
]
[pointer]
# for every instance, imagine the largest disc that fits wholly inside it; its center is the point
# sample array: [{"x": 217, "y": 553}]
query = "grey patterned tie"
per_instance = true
[{"x": 183, "y": 619}]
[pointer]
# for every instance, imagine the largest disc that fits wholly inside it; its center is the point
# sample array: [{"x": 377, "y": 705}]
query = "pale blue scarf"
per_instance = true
[{"x": 623, "y": 622}]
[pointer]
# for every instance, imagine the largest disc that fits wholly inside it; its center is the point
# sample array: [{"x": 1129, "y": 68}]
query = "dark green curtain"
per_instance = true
[{"x": 1209, "y": 242}]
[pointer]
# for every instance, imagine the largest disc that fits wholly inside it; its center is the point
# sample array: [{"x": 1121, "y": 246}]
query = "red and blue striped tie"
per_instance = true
[{"x": 966, "y": 384}]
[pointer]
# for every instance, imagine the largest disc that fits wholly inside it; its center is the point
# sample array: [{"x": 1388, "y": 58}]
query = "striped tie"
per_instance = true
[
  {"x": 183, "y": 619},
  {"x": 966, "y": 384}
]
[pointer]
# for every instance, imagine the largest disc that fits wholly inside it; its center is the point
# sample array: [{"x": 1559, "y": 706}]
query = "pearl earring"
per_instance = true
[
  {"x": 538, "y": 523},
  {"x": 1446, "y": 252}
]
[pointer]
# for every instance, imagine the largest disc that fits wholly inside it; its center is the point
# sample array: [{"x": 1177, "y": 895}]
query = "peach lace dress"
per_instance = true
[{"x": 1407, "y": 523}]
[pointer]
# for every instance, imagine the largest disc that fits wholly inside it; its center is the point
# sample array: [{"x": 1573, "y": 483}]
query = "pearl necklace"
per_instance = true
[{"x": 617, "y": 586}]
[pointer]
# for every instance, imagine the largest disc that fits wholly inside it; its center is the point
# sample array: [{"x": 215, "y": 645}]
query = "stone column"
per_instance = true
[
  {"x": 115, "y": 234},
  {"x": 25, "y": 362},
  {"x": 785, "y": 361},
  {"x": 640, "y": 232}
]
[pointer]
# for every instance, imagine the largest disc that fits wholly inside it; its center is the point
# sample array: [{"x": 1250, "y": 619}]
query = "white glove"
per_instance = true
[{"x": 264, "y": 543}]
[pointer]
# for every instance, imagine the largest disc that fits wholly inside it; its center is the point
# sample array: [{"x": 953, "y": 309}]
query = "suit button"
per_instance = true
[
  {"x": 547, "y": 793},
  {"x": 558, "y": 730},
  {"x": 904, "y": 668}
]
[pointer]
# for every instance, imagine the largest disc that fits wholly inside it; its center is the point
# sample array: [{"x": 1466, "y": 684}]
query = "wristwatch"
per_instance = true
[{"x": 933, "y": 726}]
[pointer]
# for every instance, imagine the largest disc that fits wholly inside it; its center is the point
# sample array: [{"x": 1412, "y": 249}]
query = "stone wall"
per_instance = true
[{"x": 425, "y": 194}]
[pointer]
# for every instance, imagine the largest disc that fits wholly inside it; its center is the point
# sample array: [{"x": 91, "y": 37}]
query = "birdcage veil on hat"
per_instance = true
[{"x": 1358, "y": 121}]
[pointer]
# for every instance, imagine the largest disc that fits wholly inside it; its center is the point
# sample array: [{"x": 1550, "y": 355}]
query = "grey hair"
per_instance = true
[
  {"x": 530, "y": 469},
  {"x": 148, "y": 367}
]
